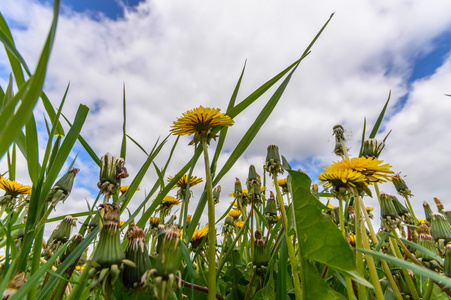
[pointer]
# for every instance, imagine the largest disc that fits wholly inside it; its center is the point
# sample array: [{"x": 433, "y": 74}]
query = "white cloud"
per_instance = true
[{"x": 173, "y": 56}]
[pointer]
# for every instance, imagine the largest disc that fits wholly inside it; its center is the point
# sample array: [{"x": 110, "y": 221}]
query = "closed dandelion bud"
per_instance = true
[
  {"x": 448, "y": 260},
  {"x": 14, "y": 284},
  {"x": 440, "y": 228},
  {"x": 166, "y": 261},
  {"x": 401, "y": 186},
  {"x": 109, "y": 250},
  {"x": 389, "y": 216},
  {"x": 372, "y": 148},
  {"x": 253, "y": 182},
  {"x": 112, "y": 171},
  {"x": 388, "y": 209},
  {"x": 137, "y": 252},
  {"x": 447, "y": 213},
  {"x": 228, "y": 226},
  {"x": 161, "y": 235},
  {"x": 238, "y": 192},
  {"x": 94, "y": 222},
  {"x": 63, "y": 230},
  {"x": 62, "y": 187},
  {"x": 71, "y": 247},
  {"x": 259, "y": 260},
  {"x": 427, "y": 242},
  {"x": 402, "y": 211},
  {"x": 271, "y": 210},
  {"x": 439, "y": 205},
  {"x": 427, "y": 211},
  {"x": 216, "y": 194},
  {"x": 339, "y": 136},
  {"x": 273, "y": 163}
]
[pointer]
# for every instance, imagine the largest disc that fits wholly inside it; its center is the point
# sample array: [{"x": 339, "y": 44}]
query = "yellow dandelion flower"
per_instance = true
[
  {"x": 200, "y": 121},
  {"x": 121, "y": 223},
  {"x": 338, "y": 178},
  {"x": 369, "y": 208},
  {"x": 198, "y": 236},
  {"x": 169, "y": 201},
  {"x": 154, "y": 221},
  {"x": 239, "y": 223},
  {"x": 188, "y": 218},
  {"x": 351, "y": 239},
  {"x": 245, "y": 192},
  {"x": 14, "y": 188},
  {"x": 262, "y": 188},
  {"x": 422, "y": 221},
  {"x": 282, "y": 182},
  {"x": 79, "y": 268},
  {"x": 125, "y": 188},
  {"x": 183, "y": 181},
  {"x": 371, "y": 167},
  {"x": 234, "y": 213}
]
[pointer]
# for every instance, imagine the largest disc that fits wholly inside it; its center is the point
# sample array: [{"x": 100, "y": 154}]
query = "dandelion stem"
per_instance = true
[
  {"x": 411, "y": 210},
  {"x": 349, "y": 287},
  {"x": 292, "y": 255},
  {"x": 211, "y": 230}
]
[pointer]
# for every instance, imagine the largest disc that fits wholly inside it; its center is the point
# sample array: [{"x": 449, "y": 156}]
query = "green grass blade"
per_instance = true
[
  {"x": 24, "y": 111},
  {"x": 34, "y": 279},
  {"x": 138, "y": 145},
  {"x": 75, "y": 254},
  {"x": 139, "y": 177},
  {"x": 31, "y": 139},
  {"x": 410, "y": 266},
  {"x": 424, "y": 250},
  {"x": 363, "y": 137},
  {"x": 379, "y": 119},
  {"x": 124, "y": 125}
]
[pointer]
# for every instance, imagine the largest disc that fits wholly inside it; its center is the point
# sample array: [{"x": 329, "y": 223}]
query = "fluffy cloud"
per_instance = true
[{"x": 173, "y": 56}]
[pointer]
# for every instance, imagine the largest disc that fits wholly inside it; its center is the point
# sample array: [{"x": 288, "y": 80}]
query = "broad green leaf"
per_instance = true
[
  {"x": 267, "y": 292},
  {"x": 319, "y": 238},
  {"x": 411, "y": 266},
  {"x": 317, "y": 288}
]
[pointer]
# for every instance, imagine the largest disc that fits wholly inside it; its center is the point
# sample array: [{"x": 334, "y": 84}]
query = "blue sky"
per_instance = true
[{"x": 176, "y": 55}]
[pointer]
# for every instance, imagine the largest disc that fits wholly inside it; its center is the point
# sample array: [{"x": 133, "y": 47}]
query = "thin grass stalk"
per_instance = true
[
  {"x": 411, "y": 209},
  {"x": 294, "y": 265},
  {"x": 359, "y": 244},
  {"x": 211, "y": 229}
]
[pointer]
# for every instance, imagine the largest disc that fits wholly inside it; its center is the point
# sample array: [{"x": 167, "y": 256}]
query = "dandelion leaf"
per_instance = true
[
  {"x": 319, "y": 238},
  {"x": 318, "y": 288}
]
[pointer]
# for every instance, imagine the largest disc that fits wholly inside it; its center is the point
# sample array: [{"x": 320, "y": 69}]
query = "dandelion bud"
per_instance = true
[
  {"x": 448, "y": 260},
  {"x": 253, "y": 182},
  {"x": 166, "y": 263},
  {"x": 440, "y": 228},
  {"x": 401, "y": 186},
  {"x": 111, "y": 172},
  {"x": 62, "y": 187},
  {"x": 273, "y": 163},
  {"x": 109, "y": 250},
  {"x": 63, "y": 230},
  {"x": 161, "y": 231},
  {"x": 228, "y": 226},
  {"x": 137, "y": 252},
  {"x": 427, "y": 211},
  {"x": 14, "y": 285},
  {"x": 389, "y": 216},
  {"x": 259, "y": 260},
  {"x": 339, "y": 136},
  {"x": 271, "y": 210},
  {"x": 154, "y": 222},
  {"x": 238, "y": 193},
  {"x": 427, "y": 242},
  {"x": 439, "y": 205},
  {"x": 216, "y": 193},
  {"x": 447, "y": 213},
  {"x": 402, "y": 211},
  {"x": 372, "y": 148}
]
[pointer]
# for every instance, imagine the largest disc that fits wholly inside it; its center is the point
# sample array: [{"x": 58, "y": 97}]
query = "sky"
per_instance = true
[{"x": 173, "y": 56}]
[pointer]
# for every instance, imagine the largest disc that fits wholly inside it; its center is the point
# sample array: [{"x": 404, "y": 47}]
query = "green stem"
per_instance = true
[
  {"x": 428, "y": 290},
  {"x": 411, "y": 210},
  {"x": 294, "y": 265},
  {"x": 349, "y": 287},
  {"x": 211, "y": 230},
  {"x": 409, "y": 282},
  {"x": 359, "y": 244}
]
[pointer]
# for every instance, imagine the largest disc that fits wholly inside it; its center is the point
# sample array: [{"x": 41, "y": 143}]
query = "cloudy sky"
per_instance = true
[{"x": 173, "y": 56}]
